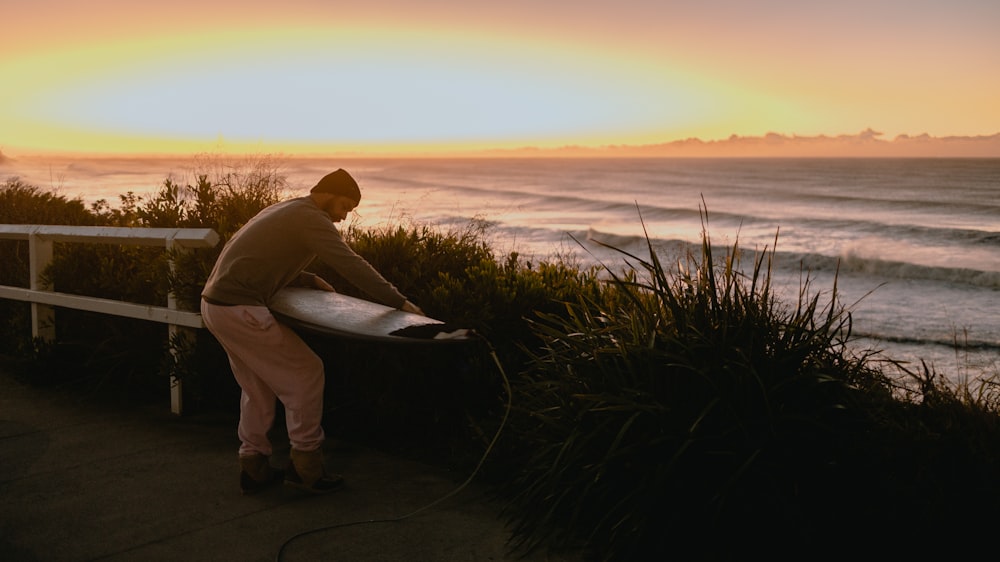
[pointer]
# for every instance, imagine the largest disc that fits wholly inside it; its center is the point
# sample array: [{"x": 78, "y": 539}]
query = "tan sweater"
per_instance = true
[{"x": 273, "y": 249}]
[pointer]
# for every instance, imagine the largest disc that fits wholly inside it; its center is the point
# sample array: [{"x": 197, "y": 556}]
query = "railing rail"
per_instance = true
[{"x": 44, "y": 299}]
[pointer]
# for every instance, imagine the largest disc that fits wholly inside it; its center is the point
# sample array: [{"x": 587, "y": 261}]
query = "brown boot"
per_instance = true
[
  {"x": 256, "y": 473},
  {"x": 307, "y": 472}
]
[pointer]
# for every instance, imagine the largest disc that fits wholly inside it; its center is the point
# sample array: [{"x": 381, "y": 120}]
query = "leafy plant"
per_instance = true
[
  {"x": 21, "y": 203},
  {"x": 103, "y": 346}
]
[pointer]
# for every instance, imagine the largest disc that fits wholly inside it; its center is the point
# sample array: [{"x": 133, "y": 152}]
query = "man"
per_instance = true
[{"x": 269, "y": 361}]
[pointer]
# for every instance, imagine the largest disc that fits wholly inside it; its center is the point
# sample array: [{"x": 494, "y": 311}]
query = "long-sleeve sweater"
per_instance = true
[{"x": 274, "y": 248}]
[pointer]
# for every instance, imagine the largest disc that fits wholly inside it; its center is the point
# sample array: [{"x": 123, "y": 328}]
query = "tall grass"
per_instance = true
[
  {"x": 687, "y": 414},
  {"x": 679, "y": 405}
]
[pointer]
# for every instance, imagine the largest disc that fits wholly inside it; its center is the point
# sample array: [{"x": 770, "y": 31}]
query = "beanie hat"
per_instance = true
[{"x": 338, "y": 183}]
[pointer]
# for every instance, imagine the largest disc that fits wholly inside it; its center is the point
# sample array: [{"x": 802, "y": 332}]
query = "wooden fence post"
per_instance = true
[
  {"x": 43, "y": 317},
  {"x": 179, "y": 338}
]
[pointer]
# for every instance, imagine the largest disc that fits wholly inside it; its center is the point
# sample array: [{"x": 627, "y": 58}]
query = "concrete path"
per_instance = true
[{"x": 81, "y": 481}]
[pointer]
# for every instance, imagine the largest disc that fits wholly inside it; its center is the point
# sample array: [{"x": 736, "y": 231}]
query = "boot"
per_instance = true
[
  {"x": 256, "y": 473},
  {"x": 306, "y": 472}
]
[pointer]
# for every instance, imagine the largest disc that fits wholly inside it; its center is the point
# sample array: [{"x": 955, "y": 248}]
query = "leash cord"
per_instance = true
[{"x": 506, "y": 383}]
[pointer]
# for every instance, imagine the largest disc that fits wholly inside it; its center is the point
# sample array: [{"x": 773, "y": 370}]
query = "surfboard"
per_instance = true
[{"x": 334, "y": 314}]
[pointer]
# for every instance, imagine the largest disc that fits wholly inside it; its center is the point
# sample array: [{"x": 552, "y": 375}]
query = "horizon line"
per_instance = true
[{"x": 771, "y": 144}]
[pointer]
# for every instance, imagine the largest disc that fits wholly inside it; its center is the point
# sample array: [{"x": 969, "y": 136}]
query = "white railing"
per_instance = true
[{"x": 43, "y": 299}]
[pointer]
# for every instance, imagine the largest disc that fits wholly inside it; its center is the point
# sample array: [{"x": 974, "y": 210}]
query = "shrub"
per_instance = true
[
  {"x": 25, "y": 204},
  {"x": 451, "y": 393},
  {"x": 98, "y": 348},
  {"x": 21, "y": 203}
]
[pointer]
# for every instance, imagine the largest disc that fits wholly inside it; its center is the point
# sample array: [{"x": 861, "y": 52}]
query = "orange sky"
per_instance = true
[{"x": 308, "y": 76}]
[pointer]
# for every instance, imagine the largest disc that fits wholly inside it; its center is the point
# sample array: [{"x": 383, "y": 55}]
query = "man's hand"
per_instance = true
[
  {"x": 410, "y": 307},
  {"x": 321, "y": 283}
]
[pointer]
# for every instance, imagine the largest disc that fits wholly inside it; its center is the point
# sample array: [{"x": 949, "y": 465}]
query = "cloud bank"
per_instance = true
[{"x": 867, "y": 143}]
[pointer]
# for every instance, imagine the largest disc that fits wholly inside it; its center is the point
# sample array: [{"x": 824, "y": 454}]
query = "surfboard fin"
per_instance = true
[{"x": 435, "y": 331}]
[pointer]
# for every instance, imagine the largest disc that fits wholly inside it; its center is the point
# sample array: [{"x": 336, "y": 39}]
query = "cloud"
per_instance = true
[{"x": 867, "y": 143}]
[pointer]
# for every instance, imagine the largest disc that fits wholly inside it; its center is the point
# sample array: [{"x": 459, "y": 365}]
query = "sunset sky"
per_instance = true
[{"x": 403, "y": 75}]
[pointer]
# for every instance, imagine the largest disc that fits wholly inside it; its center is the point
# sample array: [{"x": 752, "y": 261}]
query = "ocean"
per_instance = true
[{"x": 912, "y": 245}]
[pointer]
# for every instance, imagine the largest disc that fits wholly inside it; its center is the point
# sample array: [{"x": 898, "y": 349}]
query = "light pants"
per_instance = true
[{"x": 270, "y": 361}]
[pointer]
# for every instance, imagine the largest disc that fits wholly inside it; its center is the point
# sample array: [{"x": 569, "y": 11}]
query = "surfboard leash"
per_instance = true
[{"x": 503, "y": 422}]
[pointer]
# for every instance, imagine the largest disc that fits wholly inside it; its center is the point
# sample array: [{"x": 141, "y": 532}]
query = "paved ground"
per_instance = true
[{"x": 79, "y": 481}]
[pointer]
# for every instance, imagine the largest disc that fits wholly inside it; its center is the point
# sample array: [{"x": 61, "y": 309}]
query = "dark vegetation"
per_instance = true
[{"x": 658, "y": 413}]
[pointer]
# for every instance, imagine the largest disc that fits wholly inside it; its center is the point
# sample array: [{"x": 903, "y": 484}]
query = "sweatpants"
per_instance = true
[{"x": 270, "y": 362}]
